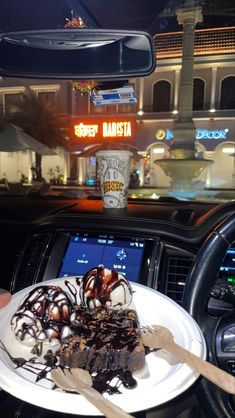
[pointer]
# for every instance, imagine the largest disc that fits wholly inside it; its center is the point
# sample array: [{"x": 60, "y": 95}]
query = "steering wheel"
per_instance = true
[{"x": 214, "y": 401}]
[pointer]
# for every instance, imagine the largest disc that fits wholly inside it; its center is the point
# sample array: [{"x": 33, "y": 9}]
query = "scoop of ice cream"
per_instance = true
[
  {"x": 103, "y": 287},
  {"x": 44, "y": 316}
]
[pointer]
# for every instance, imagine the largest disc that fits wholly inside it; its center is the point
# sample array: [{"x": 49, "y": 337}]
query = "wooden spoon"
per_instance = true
[
  {"x": 79, "y": 380},
  {"x": 157, "y": 336}
]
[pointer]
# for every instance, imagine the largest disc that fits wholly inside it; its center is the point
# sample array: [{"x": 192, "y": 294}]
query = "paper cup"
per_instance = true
[{"x": 114, "y": 171}]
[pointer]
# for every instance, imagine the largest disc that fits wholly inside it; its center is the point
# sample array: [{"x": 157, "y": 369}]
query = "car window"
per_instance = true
[{"x": 178, "y": 121}]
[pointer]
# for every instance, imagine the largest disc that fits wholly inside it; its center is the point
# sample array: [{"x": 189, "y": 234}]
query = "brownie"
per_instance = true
[{"x": 103, "y": 338}]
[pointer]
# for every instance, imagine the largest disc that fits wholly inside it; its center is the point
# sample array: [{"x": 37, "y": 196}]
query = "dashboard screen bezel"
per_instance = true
[{"x": 62, "y": 239}]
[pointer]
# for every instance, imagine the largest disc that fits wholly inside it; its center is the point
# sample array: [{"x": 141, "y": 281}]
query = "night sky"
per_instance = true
[{"x": 151, "y": 15}]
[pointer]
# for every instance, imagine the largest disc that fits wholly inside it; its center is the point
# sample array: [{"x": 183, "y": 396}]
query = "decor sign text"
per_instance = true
[{"x": 201, "y": 134}]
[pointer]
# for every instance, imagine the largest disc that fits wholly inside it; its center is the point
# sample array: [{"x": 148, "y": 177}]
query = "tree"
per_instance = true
[{"x": 39, "y": 120}]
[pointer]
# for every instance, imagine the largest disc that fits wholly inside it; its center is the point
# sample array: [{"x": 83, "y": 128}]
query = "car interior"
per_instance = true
[{"x": 181, "y": 247}]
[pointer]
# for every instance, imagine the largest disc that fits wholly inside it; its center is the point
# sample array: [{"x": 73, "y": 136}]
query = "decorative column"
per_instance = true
[
  {"x": 141, "y": 175},
  {"x": 141, "y": 94},
  {"x": 213, "y": 88},
  {"x": 184, "y": 132},
  {"x": 73, "y": 100},
  {"x": 176, "y": 93},
  {"x": 82, "y": 170},
  {"x": 31, "y": 164}
]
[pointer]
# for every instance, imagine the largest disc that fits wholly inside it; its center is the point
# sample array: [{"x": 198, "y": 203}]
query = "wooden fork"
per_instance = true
[
  {"x": 156, "y": 336},
  {"x": 79, "y": 380}
]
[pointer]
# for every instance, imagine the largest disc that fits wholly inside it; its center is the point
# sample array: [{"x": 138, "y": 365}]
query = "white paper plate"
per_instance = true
[{"x": 163, "y": 381}]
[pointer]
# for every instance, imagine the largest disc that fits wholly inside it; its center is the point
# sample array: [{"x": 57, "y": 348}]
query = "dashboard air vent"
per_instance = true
[
  {"x": 29, "y": 261},
  {"x": 178, "y": 268}
]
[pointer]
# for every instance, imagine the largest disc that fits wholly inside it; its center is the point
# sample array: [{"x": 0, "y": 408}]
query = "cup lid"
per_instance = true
[{"x": 114, "y": 151}]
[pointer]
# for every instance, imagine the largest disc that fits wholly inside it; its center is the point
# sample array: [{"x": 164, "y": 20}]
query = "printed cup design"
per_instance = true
[{"x": 114, "y": 171}]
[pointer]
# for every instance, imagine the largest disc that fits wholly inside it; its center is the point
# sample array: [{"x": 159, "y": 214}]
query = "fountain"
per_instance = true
[
  {"x": 183, "y": 166},
  {"x": 183, "y": 172}
]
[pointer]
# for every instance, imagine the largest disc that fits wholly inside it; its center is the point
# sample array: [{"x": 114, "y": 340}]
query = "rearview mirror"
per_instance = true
[{"x": 77, "y": 54}]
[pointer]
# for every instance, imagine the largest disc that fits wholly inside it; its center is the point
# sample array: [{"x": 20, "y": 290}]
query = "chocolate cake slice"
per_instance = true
[{"x": 104, "y": 339}]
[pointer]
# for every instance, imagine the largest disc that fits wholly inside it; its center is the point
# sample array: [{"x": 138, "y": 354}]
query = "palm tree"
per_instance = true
[{"x": 39, "y": 120}]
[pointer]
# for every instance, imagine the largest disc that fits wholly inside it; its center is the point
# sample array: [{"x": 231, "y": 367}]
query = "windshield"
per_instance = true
[{"x": 178, "y": 121}]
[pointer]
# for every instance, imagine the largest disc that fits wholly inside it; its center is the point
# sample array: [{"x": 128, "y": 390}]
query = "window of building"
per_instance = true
[
  {"x": 198, "y": 94},
  {"x": 47, "y": 97},
  {"x": 80, "y": 104},
  {"x": 96, "y": 109},
  {"x": 227, "y": 97},
  {"x": 11, "y": 102},
  {"x": 127, "y": 108},
  {"x": 112, "y": 109},
  {"x": 46, "y": 93},
  {"x": 122, "y": 108},
  {"x": 162, "y": 96}
]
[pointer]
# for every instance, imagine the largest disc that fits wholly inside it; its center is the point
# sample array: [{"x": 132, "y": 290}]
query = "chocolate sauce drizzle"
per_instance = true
[
  {"x": 101, "y": 381},
  {"x": 97, "y": 285},
  {"x": 72, "y": 289},
  {"x": 41, "y": 370}
]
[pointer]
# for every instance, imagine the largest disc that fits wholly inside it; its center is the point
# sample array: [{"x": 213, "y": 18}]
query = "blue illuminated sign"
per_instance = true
[
  {"x": 201, "y": 134},
  {"x": 215, "y": 134},
  {"x": 169, "y": 134}
]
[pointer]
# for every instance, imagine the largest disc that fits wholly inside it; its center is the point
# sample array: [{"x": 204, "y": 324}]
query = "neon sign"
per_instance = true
[
  {"x": 82, "y": 131},
  {"x": 201, "y": 134},
  {"x": 120, "y": 129},
  {"x": 215, "y": 134},
  {"x": 162, "y": 134},
  {"x": 103, "y": 130}
]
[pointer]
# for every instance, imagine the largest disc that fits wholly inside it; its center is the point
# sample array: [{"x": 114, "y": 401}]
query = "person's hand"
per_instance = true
[{"x": 5, "y": 298}]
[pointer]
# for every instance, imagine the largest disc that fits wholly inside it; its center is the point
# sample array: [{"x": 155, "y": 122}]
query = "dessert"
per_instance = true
[
  {"x": 106, "y": 334},
  {"x": 104, "y": 339},
  {"x": 44, "y": 316},
  {"x": 95, "y": 324}
]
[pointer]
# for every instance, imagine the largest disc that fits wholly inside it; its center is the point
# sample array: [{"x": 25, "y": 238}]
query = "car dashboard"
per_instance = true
[{"x": 152, "y": 244}]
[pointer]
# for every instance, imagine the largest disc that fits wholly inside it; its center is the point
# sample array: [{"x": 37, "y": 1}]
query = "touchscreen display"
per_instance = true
[{"x": 85, "y": 252}]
